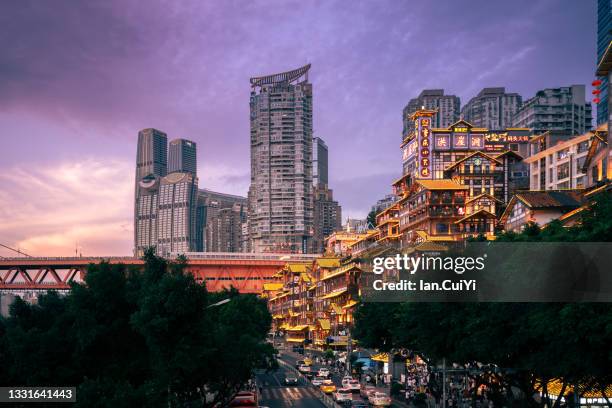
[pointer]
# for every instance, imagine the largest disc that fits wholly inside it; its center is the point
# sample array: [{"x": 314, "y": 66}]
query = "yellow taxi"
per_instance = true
[
  {"x": 308, "y": 361},
  {"x": 328, "y": 387}
]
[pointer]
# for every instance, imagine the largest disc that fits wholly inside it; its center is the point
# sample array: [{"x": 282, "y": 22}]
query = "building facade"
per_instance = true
[
  {"x": 165, "y": 205},
  {"x": 492, "y": 108},
  {"x": 456, "y": 182},
  {"x": 327, "y": 216},
  {"x": 151, "y": 166},
  {"x": 556, "y": 109},
  {"x": 182, "y": 156},
  {"x": 559, "y": 166},
  {"x": 280, "y": 195},
  {"x": 320, "y": 162},
  {"x": 447, "y": 108},
  {"x": 176, "y": 219},
  {"x": 223, "y": 216}
]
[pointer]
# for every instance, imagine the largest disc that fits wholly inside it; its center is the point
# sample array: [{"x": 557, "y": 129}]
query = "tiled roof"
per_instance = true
[{"x": 551, "y": 199}]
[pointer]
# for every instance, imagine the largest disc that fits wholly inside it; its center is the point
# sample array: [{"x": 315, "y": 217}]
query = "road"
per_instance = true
[
  {"x": 276, "y": 395},
  {"x": 303, "y": 395}
]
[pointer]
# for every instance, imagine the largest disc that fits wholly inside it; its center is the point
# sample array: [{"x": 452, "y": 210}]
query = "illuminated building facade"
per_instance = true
[
  {"x": 280, "y": 209},
  {"x": 456, "y": 181}
]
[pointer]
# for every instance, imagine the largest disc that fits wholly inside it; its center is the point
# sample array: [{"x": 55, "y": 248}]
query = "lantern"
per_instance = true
[
  {"x": 596, "y": 100},
  {"x": 596, "y": 82},
  {"x": 596, "y": 91}
]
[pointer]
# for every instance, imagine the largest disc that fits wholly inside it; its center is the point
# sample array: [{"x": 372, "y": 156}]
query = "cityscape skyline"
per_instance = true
[{"x": 81, "y": 142}]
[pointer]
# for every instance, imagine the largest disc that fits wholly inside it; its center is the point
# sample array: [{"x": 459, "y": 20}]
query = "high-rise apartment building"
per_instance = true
[
  {"x": 319, "y": 162},
  {"x": 327, "y": 216},
  {"x": 182, "y": 156},
  {"x": 176, "y": 219},
  {"x": 151, "y": 165},
  {"x": 556, "y": 109},
  {"x": 223, "y": 216},
  {"x": 447, "y": 108},
  {"x": 280, "y": 196},
  {"x": 492, "y": 108},
  {"x": 224, "y": 228},
  {"x": 604, "y": 36},
  {"x": 165, "y": 205}
]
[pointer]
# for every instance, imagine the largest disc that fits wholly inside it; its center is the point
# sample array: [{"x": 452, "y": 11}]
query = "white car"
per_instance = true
[
  {"x": 323, "y": 372},
  {"x": 318, "y": 381},
  {"x": 345, "y": 381},
  {"x": 304, "y": 369},
  {"x": 343, "y": 394},
  {"x": 379, "y": 399},
  {"x": 354, "y": 386}
]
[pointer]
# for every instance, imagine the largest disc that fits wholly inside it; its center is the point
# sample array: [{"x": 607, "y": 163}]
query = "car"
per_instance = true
[
  {"x": 342, "y": 395},
  {"x": 328, "y": 387},
  {"x": 308, "y": 361},
  {"x": 323, "y": 372},
  {"x": 366, "y": 390},
  {"x": 299, "y": 363},
  {"x": 354, "y": 386},
  {"x": 345, "y": 380},
  {"x": 304, "y": 369},
  {"x": 358, "y": 403},
  {"x": 318, "y": 380},
  {"x": 291, "y": 379},
  {"x": 244, "y": 399},
  {"x": 379, "y": 399}
]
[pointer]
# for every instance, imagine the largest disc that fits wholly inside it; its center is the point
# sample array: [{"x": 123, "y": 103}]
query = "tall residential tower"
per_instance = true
[
  {"x": 165, "y": 205},
  {"x": 151, "y": 165},
  {"x": 492, "y": 108},
  {"x": 182, "y": 156},
  {"x": 280, "y": 196},
  {"x": 446, "y": 107}
]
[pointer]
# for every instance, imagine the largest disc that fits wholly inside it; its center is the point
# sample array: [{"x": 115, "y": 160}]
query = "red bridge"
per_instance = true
[{"x": 244, "y": 271}]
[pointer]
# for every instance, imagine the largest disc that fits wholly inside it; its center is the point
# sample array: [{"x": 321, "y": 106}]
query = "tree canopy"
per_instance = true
[{"x": 131, "y": 337}]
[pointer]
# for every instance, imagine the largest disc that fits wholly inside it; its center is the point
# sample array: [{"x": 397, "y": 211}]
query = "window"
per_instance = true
[{"x": 563, "y": 171}]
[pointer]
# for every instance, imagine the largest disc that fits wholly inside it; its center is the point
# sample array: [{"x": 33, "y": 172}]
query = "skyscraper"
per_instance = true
[
  {"x": 327, "y": 213},
  {"x": 604, "y": 36},
  {"x": 151, "y": 165},
  {"x": 492, "y": 108},
  {"x": 447, "y": 107},
  {"x": 176, "y": 220},
  {"x": 280, "y": 196},
  {"x": 556, "y": 109},
  {"x": 182, "y": 156},
  {"x": 165, "y": 205},
  {"x": 319, "y": 162},
  {"x": 223, "y": 216}
]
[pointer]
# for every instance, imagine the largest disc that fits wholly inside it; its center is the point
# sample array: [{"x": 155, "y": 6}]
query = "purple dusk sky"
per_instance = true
[{"x": 78, "y": 79}]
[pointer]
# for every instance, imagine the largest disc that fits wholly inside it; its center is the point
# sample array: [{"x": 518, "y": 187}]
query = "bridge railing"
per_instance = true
[{"x": 189, "y": 255}]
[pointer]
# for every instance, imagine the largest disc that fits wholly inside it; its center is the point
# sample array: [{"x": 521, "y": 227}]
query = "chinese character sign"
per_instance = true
[{"x": 425, "y": 141}]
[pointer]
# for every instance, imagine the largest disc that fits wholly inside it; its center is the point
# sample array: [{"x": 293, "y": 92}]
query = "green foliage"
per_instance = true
[
  {"x": 137, "y": 338},
  {"x": 371, "y": 219},
  {"x": 328, "y": 354}
]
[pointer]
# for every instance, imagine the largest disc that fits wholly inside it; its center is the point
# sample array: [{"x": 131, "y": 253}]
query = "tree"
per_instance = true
[
  {"x": 137, "y": 338},
  {"x": 371, "y": 219}
]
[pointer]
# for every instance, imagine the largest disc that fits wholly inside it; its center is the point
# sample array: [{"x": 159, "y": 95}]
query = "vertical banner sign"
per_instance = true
[{"x": 424, "y": 132}]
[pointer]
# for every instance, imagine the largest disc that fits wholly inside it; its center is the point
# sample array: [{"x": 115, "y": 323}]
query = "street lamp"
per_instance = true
[{"x": 219, "y": 303}]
